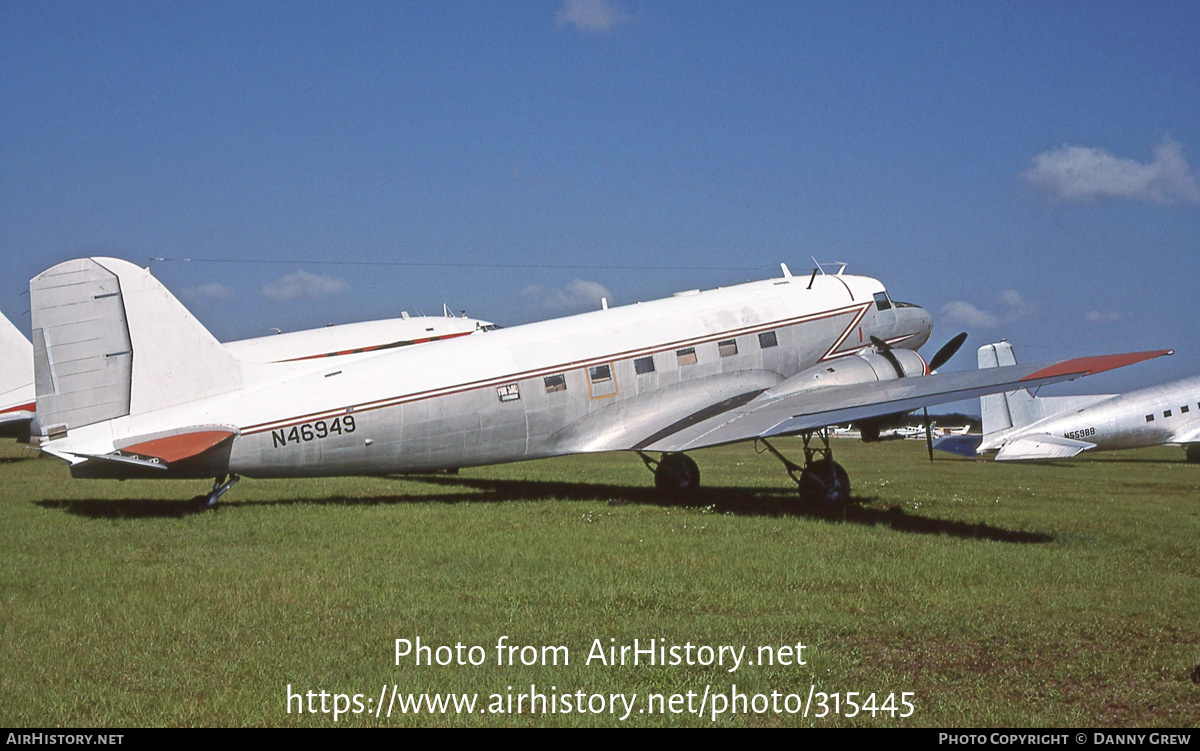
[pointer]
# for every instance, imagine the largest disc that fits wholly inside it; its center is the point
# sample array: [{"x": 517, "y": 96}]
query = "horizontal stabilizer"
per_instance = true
[
  {"x": 196, "y": 451},
  {"x": 963, "y": 445},
  {"x": 178, "y": 446},
  {"x": 1043, "y": 446}
]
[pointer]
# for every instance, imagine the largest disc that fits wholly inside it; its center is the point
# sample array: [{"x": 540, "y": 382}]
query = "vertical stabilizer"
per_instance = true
[
  {"x": 109, "y": 340},
  {"x": 1013, "y": 409},
  {"x": 16, "y": 370}
]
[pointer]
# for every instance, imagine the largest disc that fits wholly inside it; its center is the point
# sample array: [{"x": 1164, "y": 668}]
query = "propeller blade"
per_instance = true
[
  {"x": 947, "y": 351},
  {"x": 885, "y": 349}
]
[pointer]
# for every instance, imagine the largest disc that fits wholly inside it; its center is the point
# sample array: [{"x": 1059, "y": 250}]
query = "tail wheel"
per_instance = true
[
  {"x": 677, "y": 476},
  {"x": 824, "y": 481}
]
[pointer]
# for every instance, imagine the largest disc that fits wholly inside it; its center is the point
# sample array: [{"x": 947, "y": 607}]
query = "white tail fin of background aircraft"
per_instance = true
[
  {"x": 111, "y": 341},
  {"x": 1018, "y": 409},
  {"x": 16, "y": 380}
]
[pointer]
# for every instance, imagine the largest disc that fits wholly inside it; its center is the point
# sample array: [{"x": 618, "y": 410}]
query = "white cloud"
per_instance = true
[
  {"x": 966, "y": 314},
  {"x": 1013, "y": 308},
  {"x": 1080, "y": 173},
  {"x": 303, "y": 285},
  {"x": 576, "y": 297},
  {"x": 1103, "y": 316},
  {"x": 210, "y": 291},
  {"x": 1017, "y": 308},
  {"x": 591, "y": 16}
]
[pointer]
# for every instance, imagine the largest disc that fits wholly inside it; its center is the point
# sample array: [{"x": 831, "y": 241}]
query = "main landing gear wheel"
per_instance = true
[
  {"x": 677, "y": 476},
  {"x": 824, "y": 481},
  {"x": 821, "y": 479}
]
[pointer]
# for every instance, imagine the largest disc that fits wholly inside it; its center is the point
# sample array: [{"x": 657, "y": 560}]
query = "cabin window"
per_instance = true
[
  {"x": 727, "y": 348},
  {"x": 1183, "y": 410},
  {"x": 556, "y": 383},
  {"x": 601, "y": 382},
  {"x": 1149, "y": 418},
  {"x": 643, "y": 365},
  {"x": 882, "y": 302},
  {"x": 767, "y": 339},
  {"x": 686, "y": 356},
  {"x": 1166, "y": 413}
]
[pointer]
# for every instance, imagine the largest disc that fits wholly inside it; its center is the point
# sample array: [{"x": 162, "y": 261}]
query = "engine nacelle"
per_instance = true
[
  {"x": 867, "y": 367},
  {"x": 863, "y": 368}
]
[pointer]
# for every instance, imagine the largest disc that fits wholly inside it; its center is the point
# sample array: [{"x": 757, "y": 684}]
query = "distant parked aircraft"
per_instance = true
[
  {"x": 356, "y": 338},
  {"x": 16, "y": 381},
  {"x": 1019, "y": 426}
]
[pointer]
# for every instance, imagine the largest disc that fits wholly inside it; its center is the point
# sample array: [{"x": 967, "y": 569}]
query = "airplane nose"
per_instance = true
[{"x": 920, "y": 323}]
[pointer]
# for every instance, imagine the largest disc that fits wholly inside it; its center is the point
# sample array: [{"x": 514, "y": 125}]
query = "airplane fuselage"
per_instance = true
[
  {"x": 1147, "y": 417},
  {"x": 604, "y": 380}
]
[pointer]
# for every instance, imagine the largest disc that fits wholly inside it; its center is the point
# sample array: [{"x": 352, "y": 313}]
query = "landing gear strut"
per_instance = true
[
  {"x": 675, "y": 475},
  {"x": 821, "y": 479},
  {"x": 220, "y": 486}
]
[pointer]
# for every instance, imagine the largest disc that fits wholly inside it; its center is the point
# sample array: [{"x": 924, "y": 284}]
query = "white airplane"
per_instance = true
[
  {"x": 962, "y": 430},
  {"x": 1019, "y": 426},
  {"x": 837, "y": 431},
  {"x": 130, "y": 384},
  {"x": 16, "y": 381},
  {"x": 906, "y": 432},
  {"x": 356, "y": 338},
  {"x": 16, "y": 353}
]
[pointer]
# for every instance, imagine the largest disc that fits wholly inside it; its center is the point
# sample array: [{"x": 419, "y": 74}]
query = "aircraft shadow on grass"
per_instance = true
[{"x": 735, "y": 501}]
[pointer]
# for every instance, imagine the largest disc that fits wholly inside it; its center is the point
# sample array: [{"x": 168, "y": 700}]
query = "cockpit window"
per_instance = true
[{"x": 882, "y": 302}]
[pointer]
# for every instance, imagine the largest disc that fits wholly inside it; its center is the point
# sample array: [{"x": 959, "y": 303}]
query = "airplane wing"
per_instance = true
[
  {"x": 794, "y": 407},
  {"x": 1187, "y": 437}
]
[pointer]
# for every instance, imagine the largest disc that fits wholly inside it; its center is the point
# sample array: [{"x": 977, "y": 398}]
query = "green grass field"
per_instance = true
[{"x": 998, "y": 595}]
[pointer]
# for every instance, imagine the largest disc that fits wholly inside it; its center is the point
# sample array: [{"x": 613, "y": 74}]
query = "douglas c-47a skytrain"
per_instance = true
[
  {"x": 1021, "y": 427},
  {"x": 129, "y": 384}
]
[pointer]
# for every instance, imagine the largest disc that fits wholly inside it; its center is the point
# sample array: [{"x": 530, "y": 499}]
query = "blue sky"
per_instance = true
[{"x": 1023, "y": 170}]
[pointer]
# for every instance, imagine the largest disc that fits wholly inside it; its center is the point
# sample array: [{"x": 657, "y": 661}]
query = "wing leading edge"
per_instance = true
[{"x": 786, "y": 410}]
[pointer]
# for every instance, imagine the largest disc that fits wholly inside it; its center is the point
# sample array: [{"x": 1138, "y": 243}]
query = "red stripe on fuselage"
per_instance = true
[{"x": 376, "y": 347}]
